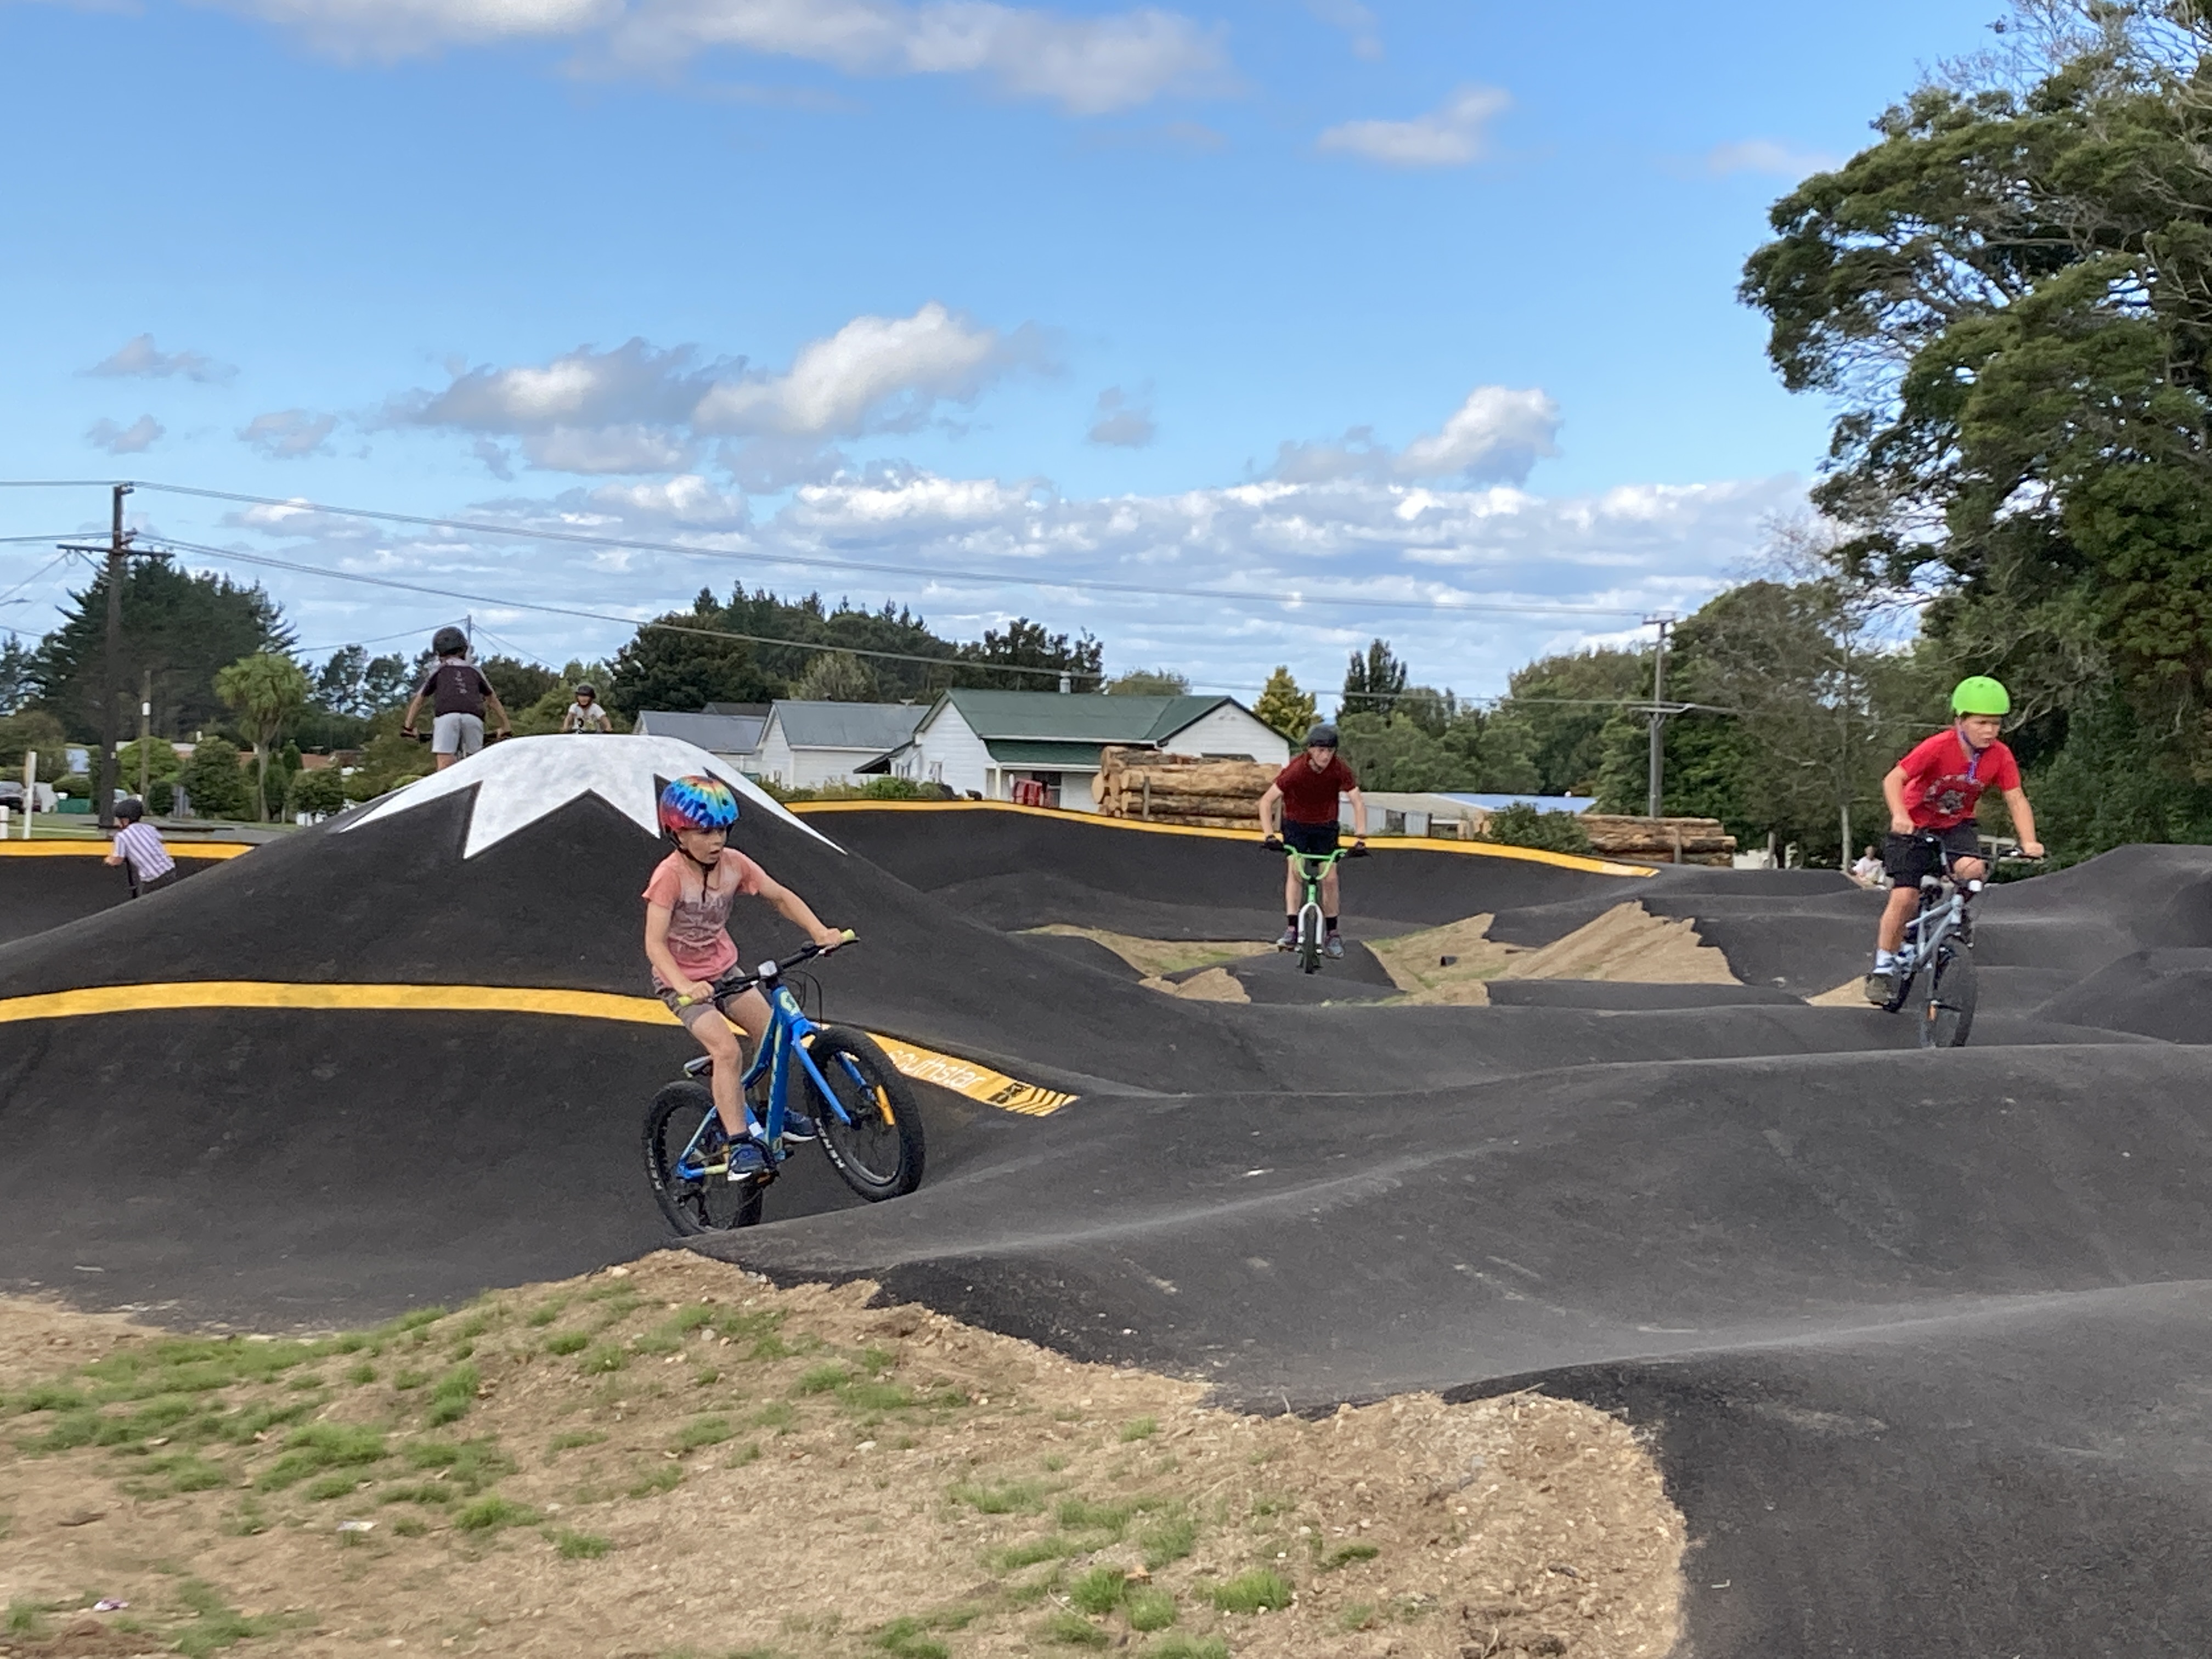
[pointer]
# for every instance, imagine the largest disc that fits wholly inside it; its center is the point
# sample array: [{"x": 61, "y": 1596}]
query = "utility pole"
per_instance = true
[
  {"x": 1657, "y": 775},
  {"x": 145, "y": 732},
  {"x": 118, "y": 540}
]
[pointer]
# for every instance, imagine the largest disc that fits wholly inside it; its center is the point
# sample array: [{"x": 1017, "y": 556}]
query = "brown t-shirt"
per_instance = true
[{"x": 1310, "y": 797}]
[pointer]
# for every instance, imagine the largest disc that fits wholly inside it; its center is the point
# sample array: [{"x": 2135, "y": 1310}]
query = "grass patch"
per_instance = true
[
  {"x": 421, "y": 1491},
  {"x": 1073, "y": 1629},
  {"x": 26, "y": 1619},
  {"x": 1167, "y": 1541},
  {"x": 470, "y": 1465},
  {"x": 748, "y": 1452},
  {"x": 1148, "y": 1608},
  {"x": 491, "y": 1512},
  {"x": 1140, "y": 1428},
  {"x": 1014, "y": 1498},
  {"x": 455, "y": 1393},
  {"x": 909, "y": 1639},
  {"x": 408, "y": 1526},
  {"x": 667, "y": 1478},
  {"x": 1186, "y": 1647},
  {"x": 602, "y": 1358},
  {"x": 215, "y": 1624},
  {"x": 1053, "y": 1546},
  {"x": 580, "y": 1546},
  {"x": 702, "y": 1432},
  {"x": 1261, "y": 1590},
  {"x": 186, "y": 1472},
  {"x": 569, "y": 1439},
  {"x": 323, "y": 1487},
  {"x": 1345, "y": 1554},
  {"x": 778, "y": 1414},
  {"x": 320, "y": 1447},
  {"x": 823, "y": 1378},
  {"x": 1358, "y": 1615},
  {"x": 357, "y": 1375},
  {"x": 568, "y": 1342},
  {"x": 1099, "y": 1591}
]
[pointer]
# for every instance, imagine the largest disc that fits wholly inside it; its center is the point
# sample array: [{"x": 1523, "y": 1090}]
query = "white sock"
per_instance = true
[{"x": 1884, "y": 959}]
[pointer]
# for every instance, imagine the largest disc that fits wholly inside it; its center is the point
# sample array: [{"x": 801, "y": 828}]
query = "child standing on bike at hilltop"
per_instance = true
[
  {"x": 1932, "y": 794},
  {"x": 1299, "y": 810},
  {"x": 459, "y": 695},
  {"x": 687, "y": 940}
]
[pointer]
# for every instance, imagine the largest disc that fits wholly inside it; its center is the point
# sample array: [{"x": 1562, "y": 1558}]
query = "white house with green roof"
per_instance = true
[{"x": 986, "y": 741}]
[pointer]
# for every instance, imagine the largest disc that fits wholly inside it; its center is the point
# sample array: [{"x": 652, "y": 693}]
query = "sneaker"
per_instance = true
[
  {"x": 1880, "y": 987},
  {"x": 1289, "y": 940},
  {"x": 797, "y": 1125},
  {"x": 1334, "y": 949},
  {"x": 746, "y": 1161}
]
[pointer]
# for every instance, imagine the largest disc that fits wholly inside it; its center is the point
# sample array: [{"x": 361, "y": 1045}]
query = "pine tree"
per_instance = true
[{"x": 1285, "y": 708}]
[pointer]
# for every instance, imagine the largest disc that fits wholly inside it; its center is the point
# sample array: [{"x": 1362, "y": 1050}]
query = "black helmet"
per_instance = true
[
  {"x": 131, "y": 809},
  {"x": 1321, "y": 736},
  {"x": 587, "y": 690},
  {"x": 450, "y": 642}
]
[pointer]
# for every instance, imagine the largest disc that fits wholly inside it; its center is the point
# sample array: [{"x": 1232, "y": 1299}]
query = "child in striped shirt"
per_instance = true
[{"x": 138, "y": 844}]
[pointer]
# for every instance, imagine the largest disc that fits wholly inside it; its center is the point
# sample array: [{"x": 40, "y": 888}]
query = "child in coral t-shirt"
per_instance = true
[{"x": 687, "y": 940}]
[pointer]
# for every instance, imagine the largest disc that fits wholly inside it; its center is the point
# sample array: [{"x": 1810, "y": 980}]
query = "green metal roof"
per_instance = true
[
  {"x": 1044, "y": 756},
  {"x": 1088, "y": 718}
]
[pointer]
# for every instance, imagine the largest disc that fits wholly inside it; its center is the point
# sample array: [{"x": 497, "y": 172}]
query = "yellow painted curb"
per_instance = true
[
  {"x": 1378, "y": 844},
  {"x": 181, "y": 849},
  {"x": 978, "y": 1083}
]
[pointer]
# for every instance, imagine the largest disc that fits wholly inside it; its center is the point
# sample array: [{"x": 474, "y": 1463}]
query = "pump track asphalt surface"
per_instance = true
[{"x": 1923, "y": 1340}]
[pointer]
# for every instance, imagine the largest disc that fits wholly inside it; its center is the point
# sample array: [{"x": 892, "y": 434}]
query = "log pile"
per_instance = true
[
  {"x": 1660, "y": 841},
  {"x": 1186, "y": 789}
]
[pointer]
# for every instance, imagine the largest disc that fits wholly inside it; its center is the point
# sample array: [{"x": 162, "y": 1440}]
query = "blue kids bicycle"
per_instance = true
[{"x": 870, "y": 1127}]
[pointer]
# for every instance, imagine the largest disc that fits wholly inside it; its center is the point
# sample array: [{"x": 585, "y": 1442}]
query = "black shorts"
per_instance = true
[
  {"x": 1315, "y": 839},
  {"x": 1905, "y": 858}
]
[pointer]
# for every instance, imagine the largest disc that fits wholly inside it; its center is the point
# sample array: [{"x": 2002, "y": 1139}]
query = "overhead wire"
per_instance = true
[{"x": 804, "y": 561}]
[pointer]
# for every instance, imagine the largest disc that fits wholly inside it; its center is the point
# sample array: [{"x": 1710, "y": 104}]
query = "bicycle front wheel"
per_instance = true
[
  {"x": 872, "y": 1132},
  {"x": 1947, "y": 1015},
  {"x": 695, "y": 1197},
  {"x": 1310, "y": 940}
]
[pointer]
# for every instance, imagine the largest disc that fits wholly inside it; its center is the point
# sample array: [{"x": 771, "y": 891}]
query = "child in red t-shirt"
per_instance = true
[
  {"x": 1302, "y": 801},
  {"x": 1934, "y": 790},
  {"x": 687, "y": 940}
]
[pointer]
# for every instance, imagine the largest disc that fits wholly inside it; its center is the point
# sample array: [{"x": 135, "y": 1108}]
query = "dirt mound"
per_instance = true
[
  {"x": 528, "y": 1475},
  {"x": 1456, "y": 963}
]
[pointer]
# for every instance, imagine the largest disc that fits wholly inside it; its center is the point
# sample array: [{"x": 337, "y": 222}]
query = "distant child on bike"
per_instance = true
[
  {"x": 1932, "y": 792},
  {"x": 585, "y": 714},
  {"x": 1299, "y": 810},
  {"x": 687, "y": 940},
  {"x": 138, "y": 844},
  {"x": 458, "y": 695}
]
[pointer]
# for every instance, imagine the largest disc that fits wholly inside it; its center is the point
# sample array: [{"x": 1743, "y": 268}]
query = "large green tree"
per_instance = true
[
  {"x": 183, "y": 626},
  {"x": 266, "y": 691},
  {"x": 2010, "y": 292},
  {"x": 1562, "y": 705}
]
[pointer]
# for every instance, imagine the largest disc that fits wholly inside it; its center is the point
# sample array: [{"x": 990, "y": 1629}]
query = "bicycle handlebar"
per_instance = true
[
  {"x": 730, "y": 984},
  {"x": 1277, "y": 844}
]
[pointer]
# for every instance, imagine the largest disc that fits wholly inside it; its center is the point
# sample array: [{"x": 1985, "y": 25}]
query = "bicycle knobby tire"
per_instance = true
[
  {"x": 1947, "y": 1015},
  {"x": 879, "y": 1153},
  {"x": 710, "y": 1205}
]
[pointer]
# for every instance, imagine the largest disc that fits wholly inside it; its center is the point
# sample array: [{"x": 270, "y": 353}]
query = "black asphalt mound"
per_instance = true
[
  {"x": 1919, "y": 1336},
  {"x": 42, "y": 892},
  {"x": 1019, "y": 869}
]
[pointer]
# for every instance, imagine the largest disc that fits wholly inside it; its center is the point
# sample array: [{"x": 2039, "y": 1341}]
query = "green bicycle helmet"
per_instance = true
[{"x": 1978, "y": 694}]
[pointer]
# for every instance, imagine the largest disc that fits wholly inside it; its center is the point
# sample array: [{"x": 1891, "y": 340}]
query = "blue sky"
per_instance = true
[{"x": 1429, "y": 305}]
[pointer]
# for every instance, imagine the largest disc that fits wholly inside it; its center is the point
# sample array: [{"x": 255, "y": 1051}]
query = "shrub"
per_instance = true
[
  {"x": 1522, "y": 824},
  {"x": 320, "y": 792},
  {"x": 216, "y": 781}
]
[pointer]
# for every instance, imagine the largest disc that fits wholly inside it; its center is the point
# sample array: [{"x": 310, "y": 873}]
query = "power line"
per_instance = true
[
  {"x": 57, "y": 535},
  {"x": 59, "y": 484},
  {"x": 805, "y": 561}
]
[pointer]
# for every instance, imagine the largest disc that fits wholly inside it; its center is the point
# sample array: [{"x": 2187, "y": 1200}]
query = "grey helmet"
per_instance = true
[
  {"x": 1321, "y": 736},
  {"x": 450, "y": 642}
]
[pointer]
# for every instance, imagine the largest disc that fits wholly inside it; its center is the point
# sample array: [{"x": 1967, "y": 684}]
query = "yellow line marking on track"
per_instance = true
[
  {"x": 978, "y": 1083},
  {"x": 1596, "y": 867},
  {"x": 182, "y": 849}
]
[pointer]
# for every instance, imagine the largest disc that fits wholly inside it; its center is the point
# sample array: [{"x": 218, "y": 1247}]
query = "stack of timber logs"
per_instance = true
[
  {"x": 1213, "y": 795},
  {"x": 1660, "y": 841}
]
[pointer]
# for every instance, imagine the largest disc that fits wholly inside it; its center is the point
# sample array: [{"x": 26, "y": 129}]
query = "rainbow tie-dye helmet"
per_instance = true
[{"x": 697, "y": 802}]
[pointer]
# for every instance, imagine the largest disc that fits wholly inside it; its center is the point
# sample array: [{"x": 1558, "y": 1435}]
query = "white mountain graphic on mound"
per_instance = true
[{"x": 519, "y": 781}]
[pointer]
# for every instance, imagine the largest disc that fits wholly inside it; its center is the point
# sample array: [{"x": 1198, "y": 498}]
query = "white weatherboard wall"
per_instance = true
[
  {"x": 1228, "y": 730},
  {"x": 772, "y": 760},
  {"x": 947, "y": 750},
  {"x": 802, "y": 767}
]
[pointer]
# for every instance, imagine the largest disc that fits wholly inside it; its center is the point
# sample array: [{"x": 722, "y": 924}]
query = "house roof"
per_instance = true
[
  {"x": 1046, "y": 755},
  {"x": 872, "y": 727},
  {"x": 718, "y": 734},
  {"x": 1090, "y": 718}
]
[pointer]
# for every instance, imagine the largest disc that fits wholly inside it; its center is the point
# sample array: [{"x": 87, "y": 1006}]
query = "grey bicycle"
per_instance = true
[{"x": 1939, "y": 943}]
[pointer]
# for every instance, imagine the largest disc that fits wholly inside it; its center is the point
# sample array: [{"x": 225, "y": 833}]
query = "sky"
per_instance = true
[{"x": 1233, "y": 331}]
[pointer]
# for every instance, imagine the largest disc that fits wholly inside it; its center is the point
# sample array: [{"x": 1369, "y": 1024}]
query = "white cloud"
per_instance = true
[
  {"x": 133, "y": 439},
  {"x": 1452, "y": 136},
  {"x": 1088, "y": 65},
  {"x": 1123, "y": 422},
  {"x": 1496, "y": 435},
  {"x": 139, "y": 357},
  {"x": 1764, "y": 157},
  {"x": 876, "y": 373},
  {"x": 1356, "y": 20},
  {"x": 640, "y": 409},
  {"x": 286, "y": 434}
]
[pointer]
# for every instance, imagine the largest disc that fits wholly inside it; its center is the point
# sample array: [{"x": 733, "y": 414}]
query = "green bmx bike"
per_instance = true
[{"x": 1312, "y": 867}]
